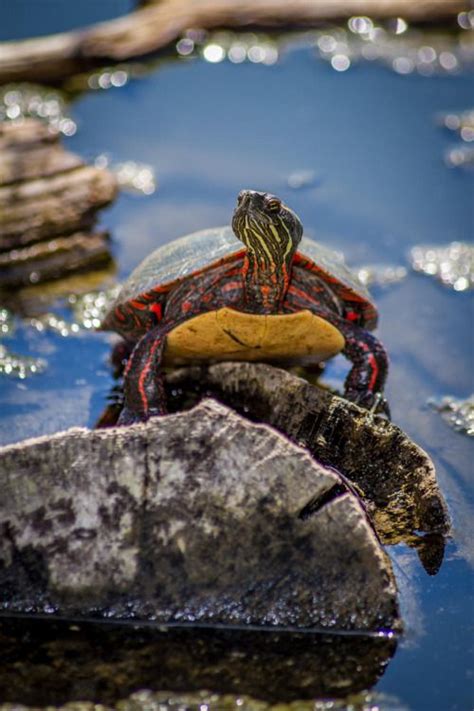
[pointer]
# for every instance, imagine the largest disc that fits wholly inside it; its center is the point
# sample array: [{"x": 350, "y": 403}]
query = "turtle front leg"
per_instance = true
[
  {"x": 144, "y": 390},
  {"x": 366, "y": 380}
]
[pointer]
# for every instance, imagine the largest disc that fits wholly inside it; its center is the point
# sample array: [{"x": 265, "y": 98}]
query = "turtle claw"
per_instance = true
[
  {"x": 380, "y": 406},
  {"x": 375, "y": 403},
  {"x": 128, "y": 417}
]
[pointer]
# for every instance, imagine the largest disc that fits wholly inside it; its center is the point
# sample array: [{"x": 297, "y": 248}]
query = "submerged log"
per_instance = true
[
  {"x": 200, "y": 517},
  {"x": 152, "y": 28}
]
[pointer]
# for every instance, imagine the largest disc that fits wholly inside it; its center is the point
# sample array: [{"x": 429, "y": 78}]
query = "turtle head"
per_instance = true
[{"x": 267, "y": 227}]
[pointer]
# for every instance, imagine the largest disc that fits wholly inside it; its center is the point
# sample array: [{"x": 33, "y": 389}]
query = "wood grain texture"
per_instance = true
[{"x": 153, "y": 27}]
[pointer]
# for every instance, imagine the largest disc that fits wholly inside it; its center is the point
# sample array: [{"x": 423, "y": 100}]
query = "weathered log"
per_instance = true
[
  {"x": 53, "y": 258},
  {"x": 48, "y": 203},
  {"x": 104, "y": 663},
  {"x": 199, "y": 517},
  {"x": 22, "y": 135},
  {"x": 152, "y": 28},
  {"x": 396, "y": 478},
  {"x": 56, "y": 205},
  {"x": 38, "y": 162}
]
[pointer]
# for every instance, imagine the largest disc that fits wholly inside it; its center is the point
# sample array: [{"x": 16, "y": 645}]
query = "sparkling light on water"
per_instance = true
[
  {"x": 19, "y": 366},
  {"x": 381, "y": 274},
  {"x": 88, "y": 310},
  {"x": 19, "y": 101},
  {"x": 393, "y": 43},
  {"x": 459, "y": 414},
  {"x": 110, "y": 77},
  {"x": 236, "y": 47},
  {"x": 133, "y": 176},
  {"x": 213, "y": 53},
  {"x": 12, "y": 364},
  {"x": 453, "y": 264}
]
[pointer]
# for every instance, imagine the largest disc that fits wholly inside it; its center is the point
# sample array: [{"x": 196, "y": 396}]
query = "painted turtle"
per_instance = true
[{"x": 204, "y": 297}]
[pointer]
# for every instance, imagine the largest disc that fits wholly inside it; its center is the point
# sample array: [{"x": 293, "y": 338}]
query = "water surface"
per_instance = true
[{"x": 380, "y": 186}]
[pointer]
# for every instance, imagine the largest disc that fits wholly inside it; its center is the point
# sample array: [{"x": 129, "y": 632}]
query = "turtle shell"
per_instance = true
[{"x": 146, "y": 288}]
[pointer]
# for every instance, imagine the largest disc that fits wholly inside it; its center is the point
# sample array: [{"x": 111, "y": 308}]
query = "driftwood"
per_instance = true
[
  {"x": 395, "y": 478},
  {"x": 45, "y": 190},
  {"x": 25, "y": 134},
  {"x": 48, "y": 204},
  {"x": 55, "y": 205},
  {"x": 152, "y": 28},
  {"x": 200, "y": 517}
]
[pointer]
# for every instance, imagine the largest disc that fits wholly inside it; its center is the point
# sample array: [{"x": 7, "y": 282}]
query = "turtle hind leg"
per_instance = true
[{"x": 144, "y": 391}]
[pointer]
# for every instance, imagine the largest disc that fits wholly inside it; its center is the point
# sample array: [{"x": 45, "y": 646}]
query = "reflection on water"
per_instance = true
[
  {"x": 377, "y": 187},
  {"x": 50, "y": 661}
]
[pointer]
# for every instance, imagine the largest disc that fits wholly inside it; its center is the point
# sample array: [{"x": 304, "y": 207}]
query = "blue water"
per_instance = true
[
  {"x": 381, "y": 186},
  {"x": 20, "y": 19}
]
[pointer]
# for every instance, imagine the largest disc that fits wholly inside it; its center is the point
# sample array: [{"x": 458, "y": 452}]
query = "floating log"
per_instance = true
[
  {"x": 197, "y": 518},
  {"x": 152, "y": 28}
]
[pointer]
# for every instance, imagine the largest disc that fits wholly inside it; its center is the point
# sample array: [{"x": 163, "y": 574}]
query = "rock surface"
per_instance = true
[{"x": 200, "y": 517}]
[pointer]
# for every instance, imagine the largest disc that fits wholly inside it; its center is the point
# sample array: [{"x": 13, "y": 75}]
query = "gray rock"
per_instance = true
[{"x": 200, "y": 517}]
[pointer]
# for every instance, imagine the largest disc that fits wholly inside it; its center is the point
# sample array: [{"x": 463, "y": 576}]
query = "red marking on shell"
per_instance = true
[
  {"x": 157, "y": 309},
  {"x": 137, "y": 305},
  {"x": 165, "y": 288},
  {"x": 295, "y": 291}
]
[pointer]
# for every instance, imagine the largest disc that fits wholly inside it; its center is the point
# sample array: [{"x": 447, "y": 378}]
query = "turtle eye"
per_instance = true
[{"x": 273, "y": 205}]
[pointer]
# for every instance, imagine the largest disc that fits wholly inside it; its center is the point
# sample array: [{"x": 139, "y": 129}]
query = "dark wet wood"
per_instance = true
[
  {"x": 51, "y": 259},
  {"x": 154, "y": 27}
]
